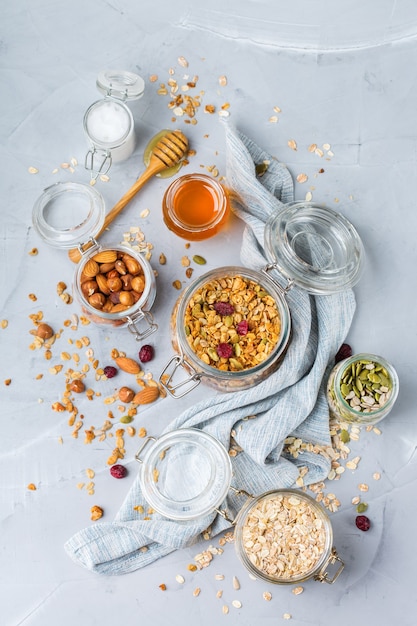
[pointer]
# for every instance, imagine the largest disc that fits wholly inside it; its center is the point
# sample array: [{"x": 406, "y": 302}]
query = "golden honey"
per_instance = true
[{"x": 195, "y": 207}]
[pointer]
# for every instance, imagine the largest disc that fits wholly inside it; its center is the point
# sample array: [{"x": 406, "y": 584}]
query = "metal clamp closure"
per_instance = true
[
  {"x": 138, "y": 317},
  {"x": 187, "y": 384},
  {"x": 225, "y": 514},
  {"x": 274, "y": 266},
  {"x": 323, "y": 575},
  {"x": 147, "y": 440},
  {"x": 102, "y": 167}
]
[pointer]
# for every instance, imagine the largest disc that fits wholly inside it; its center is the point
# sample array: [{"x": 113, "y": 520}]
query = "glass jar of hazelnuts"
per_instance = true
[{"x": 114, "y": 284}]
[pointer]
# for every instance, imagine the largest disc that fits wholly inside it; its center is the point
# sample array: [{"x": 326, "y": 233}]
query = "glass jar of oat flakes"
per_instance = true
[
  {"x": 232, "y": 326},
  {"x": 282, "y": 536},
  {"x": 114, "y": 285},
  {"x": 285, "y": 537}
]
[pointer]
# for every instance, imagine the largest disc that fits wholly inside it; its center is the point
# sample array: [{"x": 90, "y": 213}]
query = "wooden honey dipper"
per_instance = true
[{"x": 168, "y": 152}]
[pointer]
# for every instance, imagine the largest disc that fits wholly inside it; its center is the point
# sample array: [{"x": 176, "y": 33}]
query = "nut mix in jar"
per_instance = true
[
  {"x": 285, "y": 537},
  {"x": 115, "y": 285},
  {"x": 362, "y": 389},
  {"x": 230, "y": 327}
]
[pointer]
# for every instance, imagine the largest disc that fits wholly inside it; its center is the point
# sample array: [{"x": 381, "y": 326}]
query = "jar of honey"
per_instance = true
[{"x": 195, "y": 207}]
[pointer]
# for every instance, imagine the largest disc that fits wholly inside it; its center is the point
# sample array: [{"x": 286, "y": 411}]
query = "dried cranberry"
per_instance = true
[
  {"x": 345, "y": 351},
  {"x": 363, "y": 522},
  {"x": 242, "y": 328},
  {"x": 110, "y": 371},
  {"x": 146, "y": 354},
  {"x": 224, "y": 308},
  {"x": 118, "y": 471},
  {"x": 224, "y": 350}
]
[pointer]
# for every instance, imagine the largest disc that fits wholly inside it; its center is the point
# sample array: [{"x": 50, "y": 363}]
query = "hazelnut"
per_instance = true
[
  {"x": 89, "y": 287},
  {"x": 44, "y": 331},
  {"x": 114, "y": 284},
  {"x": 127, "y": 282},
  {"x": 138, "y": 284},
  {"x": 97, "y": 300},
  {"x": 126, "y": 298},
  {"x": 126, "y": 394},
  {"x": 77, "y": 386},
  {"x": 114, "y": 297},
  {"x": 107, "y": 306}
]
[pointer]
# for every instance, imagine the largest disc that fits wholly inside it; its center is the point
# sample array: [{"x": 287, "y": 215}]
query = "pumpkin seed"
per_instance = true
[
  {"x": 126, "y": 419},
  {"x": 200, "y": 260}
]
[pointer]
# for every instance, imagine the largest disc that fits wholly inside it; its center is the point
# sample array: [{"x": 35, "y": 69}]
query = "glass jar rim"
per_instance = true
[
  {"x": 179, "y": 492},
  {"x": 219, "y": 190},
  {"x": 376, "y": 413},
  {"x": 68, "y": 213},
  {"x": 120, "y": 84},
  {"x": 146, "y": 297},
  {"x": 285, "y": 318},
  {"x": 318, "y": 509},
  {"x": 315, "y": 247}
]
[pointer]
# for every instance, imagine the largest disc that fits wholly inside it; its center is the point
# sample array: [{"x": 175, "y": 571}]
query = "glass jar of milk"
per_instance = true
[{"x": 108, "y": 123}]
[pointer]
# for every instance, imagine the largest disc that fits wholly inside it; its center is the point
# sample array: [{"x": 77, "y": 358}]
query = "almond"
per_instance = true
[
  {"x": 147, "y": 395},
  {"x": 105, "y": 256},
  {"x": 91, "y": 268},
  {"x": 102, "y": 284},
  {"x": 127, "y": 365}
]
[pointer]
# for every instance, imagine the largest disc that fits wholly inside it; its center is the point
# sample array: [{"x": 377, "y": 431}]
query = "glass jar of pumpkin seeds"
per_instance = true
[{"x": 362, "y": 389}]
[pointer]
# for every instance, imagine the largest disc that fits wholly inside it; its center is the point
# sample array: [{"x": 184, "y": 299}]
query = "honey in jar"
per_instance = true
[{"x": 195, "y": 206}]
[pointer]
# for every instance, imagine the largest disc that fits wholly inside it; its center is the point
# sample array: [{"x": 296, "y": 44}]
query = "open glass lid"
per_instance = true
[
  {"x": 67, "y": 214},
  {"x": 315, "y": 247},
  {"x": 185, "y": 474},
  {"x": 121, "y": 84}
]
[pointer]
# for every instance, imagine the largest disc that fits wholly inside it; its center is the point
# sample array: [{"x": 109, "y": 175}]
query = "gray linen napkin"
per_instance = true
[{"x": 291, "y": 401}]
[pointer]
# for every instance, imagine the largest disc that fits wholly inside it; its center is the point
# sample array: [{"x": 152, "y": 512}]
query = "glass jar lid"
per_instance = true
[
  {"x": 120, "y": 84},
  {"x": 185, "y": 474},
  {"x": 315, "y": 247},
  {"x": 68, "y": 214}
]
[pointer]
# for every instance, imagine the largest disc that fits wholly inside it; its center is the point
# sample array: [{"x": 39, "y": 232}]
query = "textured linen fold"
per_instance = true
[{"x": 291, "y": 401}]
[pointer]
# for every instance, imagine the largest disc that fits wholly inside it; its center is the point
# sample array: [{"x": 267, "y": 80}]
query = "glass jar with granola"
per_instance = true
[{"x": 230, "y": 328}]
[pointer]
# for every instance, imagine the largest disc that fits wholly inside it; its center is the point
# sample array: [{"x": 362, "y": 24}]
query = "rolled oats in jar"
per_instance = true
[{"x": 285, "y": 537}]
